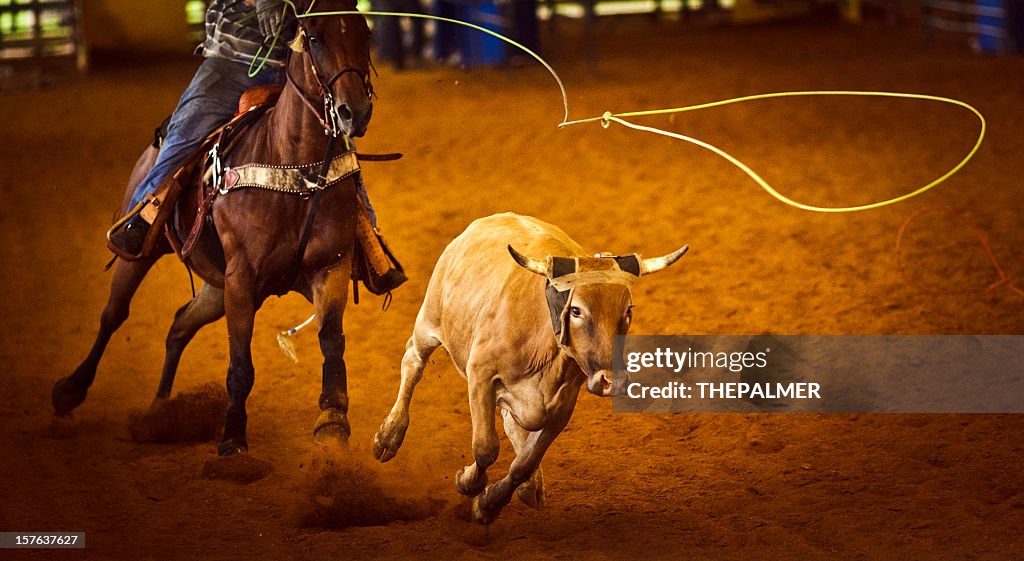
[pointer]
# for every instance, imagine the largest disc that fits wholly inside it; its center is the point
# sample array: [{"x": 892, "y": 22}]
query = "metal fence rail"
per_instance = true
[{"x": 36, "y": 29}]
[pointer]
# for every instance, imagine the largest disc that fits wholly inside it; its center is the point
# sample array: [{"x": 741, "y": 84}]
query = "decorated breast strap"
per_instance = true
[{"x": 298, "y": 179}]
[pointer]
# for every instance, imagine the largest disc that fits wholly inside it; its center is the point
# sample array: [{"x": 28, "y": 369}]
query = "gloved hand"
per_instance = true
[{"x": 269, "y": 16}]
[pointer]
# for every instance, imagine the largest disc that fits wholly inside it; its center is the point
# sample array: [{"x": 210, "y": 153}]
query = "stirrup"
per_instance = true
[
  {"x": 147, "y": 211},
  {"x": 124, "y": 219},
  {"x": 118, "y": 226}
]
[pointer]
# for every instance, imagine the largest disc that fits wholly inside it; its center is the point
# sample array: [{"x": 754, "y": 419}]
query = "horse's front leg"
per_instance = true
[
  {"x": 330, "y": 294},
  {"x": 240, "y": 304}
]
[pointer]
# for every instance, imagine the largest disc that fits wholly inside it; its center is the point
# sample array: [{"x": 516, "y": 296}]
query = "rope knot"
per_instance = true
[{"x": 606, "y": 119}]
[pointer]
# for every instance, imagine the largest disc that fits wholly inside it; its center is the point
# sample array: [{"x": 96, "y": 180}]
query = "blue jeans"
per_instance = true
[{"x": 208, "y": 102}]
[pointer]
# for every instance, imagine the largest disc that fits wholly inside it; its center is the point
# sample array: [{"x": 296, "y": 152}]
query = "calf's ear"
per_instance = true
[{"x": 629, "y": 263}]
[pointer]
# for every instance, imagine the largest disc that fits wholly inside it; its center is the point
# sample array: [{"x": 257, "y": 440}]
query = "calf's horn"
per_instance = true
[
  {"x": 539, "y": 266},
  {"x": 655, "y": 264}
]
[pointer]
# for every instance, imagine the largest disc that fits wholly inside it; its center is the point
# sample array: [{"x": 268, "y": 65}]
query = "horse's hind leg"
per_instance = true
[
  {"x": 69, "y": 392},
  {"x": 330, "y": 293},
  {"x": 206, "y": 308}
]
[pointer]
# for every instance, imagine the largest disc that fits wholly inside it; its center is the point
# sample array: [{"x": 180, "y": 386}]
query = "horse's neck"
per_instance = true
[{"x": 290, "y": 134}]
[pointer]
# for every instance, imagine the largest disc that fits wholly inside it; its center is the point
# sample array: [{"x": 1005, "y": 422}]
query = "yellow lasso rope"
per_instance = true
[
  {"x": 609, "y": 117},
  {"x": 537, "y": 57}
]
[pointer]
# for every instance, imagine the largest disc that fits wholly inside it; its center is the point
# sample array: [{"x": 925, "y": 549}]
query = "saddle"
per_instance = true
[
  {"x": 252, "y": 99},
  {"x": 373, "y": 262}
]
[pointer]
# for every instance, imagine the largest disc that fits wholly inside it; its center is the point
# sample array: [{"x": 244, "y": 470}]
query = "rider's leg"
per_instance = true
[
  {"x": 365, "y": 198},
  {"x": 382, "y": 273},
  {"x": 210, "y": 100}
]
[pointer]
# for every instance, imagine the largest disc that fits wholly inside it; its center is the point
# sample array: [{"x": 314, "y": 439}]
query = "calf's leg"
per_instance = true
[
  {"x": 392, "y": 431},
  {"x": 488, "y": 504},
  {"x": 532, "y": 491},
  {"x": 472, "y": 479}
]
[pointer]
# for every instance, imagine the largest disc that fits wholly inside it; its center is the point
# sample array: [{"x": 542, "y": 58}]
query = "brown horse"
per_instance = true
[{"x": 253, "y": 250}]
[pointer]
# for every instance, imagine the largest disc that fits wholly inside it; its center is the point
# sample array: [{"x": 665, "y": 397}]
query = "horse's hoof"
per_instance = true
[
  {"x": 389, "y": 439},
  {"x": 67, "y": 395},
  {"x": 469, "y": 488},
  {"x": 481, "y": 514},
  {"x": 232, "y": 447},
  {"x": 331, "y": 427}
]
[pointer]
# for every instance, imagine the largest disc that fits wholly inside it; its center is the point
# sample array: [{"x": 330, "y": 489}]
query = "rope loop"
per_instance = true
[{"x": 607, "y": 118}]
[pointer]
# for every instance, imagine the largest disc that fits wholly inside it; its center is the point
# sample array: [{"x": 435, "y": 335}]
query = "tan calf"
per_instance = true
[{"x": 528, "y": 318}]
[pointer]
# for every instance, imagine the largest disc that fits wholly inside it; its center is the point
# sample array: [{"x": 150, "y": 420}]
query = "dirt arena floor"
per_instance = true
[{"x": 484, "y": 141}]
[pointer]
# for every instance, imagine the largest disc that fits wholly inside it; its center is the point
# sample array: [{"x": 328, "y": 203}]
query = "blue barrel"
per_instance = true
[
  {"x": 992, "y": 28},
  {"x": 479, "y": 48}
]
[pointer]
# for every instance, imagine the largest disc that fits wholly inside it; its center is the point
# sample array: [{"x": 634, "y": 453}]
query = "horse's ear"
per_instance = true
[{"x": 297, "y": 44}]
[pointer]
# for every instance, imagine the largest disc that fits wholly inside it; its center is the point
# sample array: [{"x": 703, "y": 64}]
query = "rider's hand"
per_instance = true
[{"x": 269, "y": 16}]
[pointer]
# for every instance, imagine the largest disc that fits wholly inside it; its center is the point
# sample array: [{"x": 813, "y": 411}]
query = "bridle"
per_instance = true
[{"x": 328, "y": 116}]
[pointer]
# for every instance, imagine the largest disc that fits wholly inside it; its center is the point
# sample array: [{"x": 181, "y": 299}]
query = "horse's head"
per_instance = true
[{"x": 332, "y": 56}]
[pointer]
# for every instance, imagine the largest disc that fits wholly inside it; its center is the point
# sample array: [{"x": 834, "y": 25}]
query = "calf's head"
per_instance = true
[{"x": 590, "y": 302}]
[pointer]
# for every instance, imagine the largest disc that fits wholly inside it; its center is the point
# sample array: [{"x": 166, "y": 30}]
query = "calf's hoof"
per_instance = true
[
  {"x": 531, "y": 493},
  {"x": 331, "y": 427},
  {"x": 389, "y": 438},
  {"x": 470, "y": 486},
  {"x": 67, "y": 395},
  {"x": 232, "y": 447}
]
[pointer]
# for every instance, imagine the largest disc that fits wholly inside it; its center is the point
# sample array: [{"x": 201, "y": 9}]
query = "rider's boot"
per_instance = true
[
  {"x": 128, "y": 236},
  {"x": 378, "y": 269}
]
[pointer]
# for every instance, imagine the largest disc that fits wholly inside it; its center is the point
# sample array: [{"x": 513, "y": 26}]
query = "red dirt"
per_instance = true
[{"x": 619, "y": 486}]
